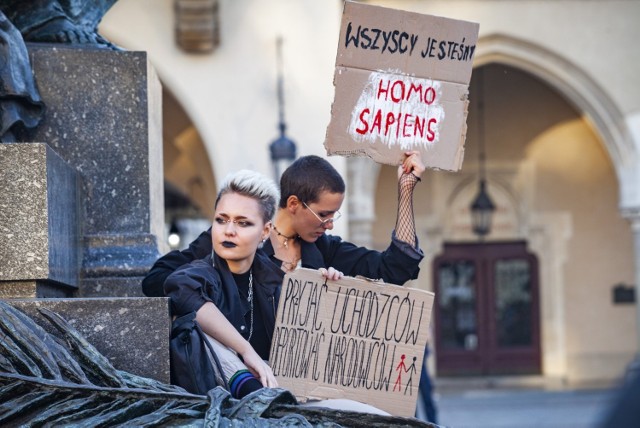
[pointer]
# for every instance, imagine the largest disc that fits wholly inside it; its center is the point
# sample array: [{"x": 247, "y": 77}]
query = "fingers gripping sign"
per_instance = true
[
  {"x": 412, "y": 163},
  {"x": 331, "y": 273}
]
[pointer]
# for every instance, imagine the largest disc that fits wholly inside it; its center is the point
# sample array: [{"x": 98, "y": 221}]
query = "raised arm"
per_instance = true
[
  {"x": 408, "y": 176},
  {"x": 399, "y": 263}
]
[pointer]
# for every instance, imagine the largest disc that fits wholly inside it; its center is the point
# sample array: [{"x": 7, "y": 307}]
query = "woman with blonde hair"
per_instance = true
[{"x": 234, "y": 291}]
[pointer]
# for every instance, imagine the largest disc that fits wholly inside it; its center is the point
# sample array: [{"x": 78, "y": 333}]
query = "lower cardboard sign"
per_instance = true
[{"x": 353, "y": 338}]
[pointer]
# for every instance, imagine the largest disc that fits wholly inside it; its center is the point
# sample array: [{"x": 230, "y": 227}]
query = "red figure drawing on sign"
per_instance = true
[
  {"x": 411, "y": 370},
  {"x": 401, "y": 368}
]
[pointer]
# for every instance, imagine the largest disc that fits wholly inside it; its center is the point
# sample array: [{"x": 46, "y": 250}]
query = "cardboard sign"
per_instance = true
[
  {"x": 352, "y": 338},
  {"x": 401, "y": 83}
]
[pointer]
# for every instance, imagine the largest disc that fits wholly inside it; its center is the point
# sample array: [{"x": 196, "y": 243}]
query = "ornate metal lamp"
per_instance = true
[
  {"x": 482, "y": 210},
  {"x": 482, "y": 207},
  {"x": 283, "y": 149}
]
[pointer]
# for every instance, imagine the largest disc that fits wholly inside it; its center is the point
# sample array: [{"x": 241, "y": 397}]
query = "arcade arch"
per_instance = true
[{"x": 554, "y": 230}]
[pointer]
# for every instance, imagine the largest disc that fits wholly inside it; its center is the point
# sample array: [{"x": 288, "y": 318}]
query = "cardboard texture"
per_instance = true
[
  {"x": 354, "y": 339},
  {"x": 401, "y": 83}
]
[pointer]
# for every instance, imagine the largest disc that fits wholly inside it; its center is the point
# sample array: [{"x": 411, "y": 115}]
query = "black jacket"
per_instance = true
[
  {"x": 396, "y": 265},
  {"x": 209, "y": 280}
]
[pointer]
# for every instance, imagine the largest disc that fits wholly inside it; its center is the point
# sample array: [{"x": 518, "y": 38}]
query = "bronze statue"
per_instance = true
[
  {"x": 58, "y": 21},
  {"x": 60, "y": 379},
  {"x": 41, "y": 21},
  {"x": 21, "y": 108}
]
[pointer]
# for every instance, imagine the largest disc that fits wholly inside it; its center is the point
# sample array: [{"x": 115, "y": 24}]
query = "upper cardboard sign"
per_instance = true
[
  {"x": 352, "y": 338},
  {"x": 401, "y": 83}
]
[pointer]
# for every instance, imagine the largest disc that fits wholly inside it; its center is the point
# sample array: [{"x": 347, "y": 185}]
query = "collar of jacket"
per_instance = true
[
  {"x": 265, "y": 274},
  {"x": 309, "y": 252}
]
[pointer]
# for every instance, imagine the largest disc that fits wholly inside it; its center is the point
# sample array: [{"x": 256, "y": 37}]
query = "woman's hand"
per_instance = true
[
  {"x": 331, "y": 273},
  {"x": 216, "y": 325},
  {"x": 259, "y": 368},
  {"x": 412, "y": 163}
]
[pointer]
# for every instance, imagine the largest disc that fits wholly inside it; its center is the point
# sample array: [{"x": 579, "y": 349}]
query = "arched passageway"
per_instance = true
[{"x": 556, "y": 154}]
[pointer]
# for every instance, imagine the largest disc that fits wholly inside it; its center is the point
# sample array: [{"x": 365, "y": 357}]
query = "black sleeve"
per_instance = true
[
  {"x": 187, "y": 287},
  {"x": 397, "y": 264},
  {"x": 153, "y": 282}
]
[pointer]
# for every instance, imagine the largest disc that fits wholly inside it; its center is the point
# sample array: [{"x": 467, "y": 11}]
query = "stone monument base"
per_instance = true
[
  {"x": 39, "y": 222},
  {"x": 133, "y": 333},
  {"x": 104, "y": 117},
  {"x": 34, "y": 289}
]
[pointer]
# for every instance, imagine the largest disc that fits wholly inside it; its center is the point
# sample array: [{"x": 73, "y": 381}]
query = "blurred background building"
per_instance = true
[{"x": 553, "y": 131}]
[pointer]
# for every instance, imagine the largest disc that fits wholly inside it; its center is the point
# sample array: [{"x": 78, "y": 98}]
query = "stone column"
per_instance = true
[
  {"x": 104, "y": 119},
  {"x": 633, "y": 215},
  {"x": 362, "y": 176}
]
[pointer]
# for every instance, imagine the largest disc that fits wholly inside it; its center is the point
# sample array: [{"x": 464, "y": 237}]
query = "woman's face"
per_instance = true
[
  {"x": 308, "y": 220},
  {"x": 237, "y": 230}
]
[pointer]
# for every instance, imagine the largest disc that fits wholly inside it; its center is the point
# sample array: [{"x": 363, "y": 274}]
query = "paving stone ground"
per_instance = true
[{"x": 522, "y": 408}]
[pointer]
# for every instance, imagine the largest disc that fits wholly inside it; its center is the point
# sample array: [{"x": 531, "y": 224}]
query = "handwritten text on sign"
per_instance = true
[
  {"x": 398, "y": 110},
  {"x": 354, "y": 336},
  {"x": 402, "y": 42},
  {"x": 401, "y": 83}
]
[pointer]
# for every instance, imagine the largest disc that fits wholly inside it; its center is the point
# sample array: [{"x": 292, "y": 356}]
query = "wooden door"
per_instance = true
[{"x": 487, "y": 318}]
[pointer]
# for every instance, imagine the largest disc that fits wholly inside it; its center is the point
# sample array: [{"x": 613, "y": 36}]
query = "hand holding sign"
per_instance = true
[
  {"x": 331, "y": 273},
  {"x": 412, "y": 163}
]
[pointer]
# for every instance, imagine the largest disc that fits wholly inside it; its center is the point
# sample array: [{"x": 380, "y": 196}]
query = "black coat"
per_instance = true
[
  {"x": 209, "y": 280},
  {"x": 396, "y": 265}
]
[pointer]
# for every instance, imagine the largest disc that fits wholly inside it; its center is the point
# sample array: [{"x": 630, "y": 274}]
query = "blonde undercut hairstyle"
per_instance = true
[{"x": 254, "y": 185}]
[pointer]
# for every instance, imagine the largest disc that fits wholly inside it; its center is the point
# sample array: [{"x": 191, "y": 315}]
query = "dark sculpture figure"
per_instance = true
[
  {"x": 20, "y": 105},
  {"x": 60, "y": 379},
  {"x": 41, "y": 21},
  {"x": 58, "y": 21}
]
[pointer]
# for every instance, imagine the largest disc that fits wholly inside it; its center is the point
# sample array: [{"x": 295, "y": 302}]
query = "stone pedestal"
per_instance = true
[
  {"x": 82, "y": 208},
  {"x": 39, "y": 222},
  {"x": 104, "y": 118},
  {"x": 133, "y": 333}
]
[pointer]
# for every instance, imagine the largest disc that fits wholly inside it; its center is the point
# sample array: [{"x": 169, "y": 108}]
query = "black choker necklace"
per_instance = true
[{"x": 286, "y": 238}]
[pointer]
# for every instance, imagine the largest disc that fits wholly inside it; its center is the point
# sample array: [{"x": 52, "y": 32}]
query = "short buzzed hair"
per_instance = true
[
  {"x": 307, "y": 177},
  {"x": 254, "y": 185}
]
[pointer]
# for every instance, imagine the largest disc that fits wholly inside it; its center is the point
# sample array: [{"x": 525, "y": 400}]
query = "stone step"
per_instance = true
[
  {"x": 30, "y": 289},
  {"x": 39, "y": 222},
  {"x": 132, "y": 332}
]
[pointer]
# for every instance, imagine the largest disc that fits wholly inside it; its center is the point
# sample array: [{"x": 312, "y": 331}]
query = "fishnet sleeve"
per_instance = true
[{"x": 405, "y": 222}]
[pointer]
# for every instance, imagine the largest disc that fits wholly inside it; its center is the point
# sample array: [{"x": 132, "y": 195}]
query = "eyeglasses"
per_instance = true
[{"x": 336, "y": 216}]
